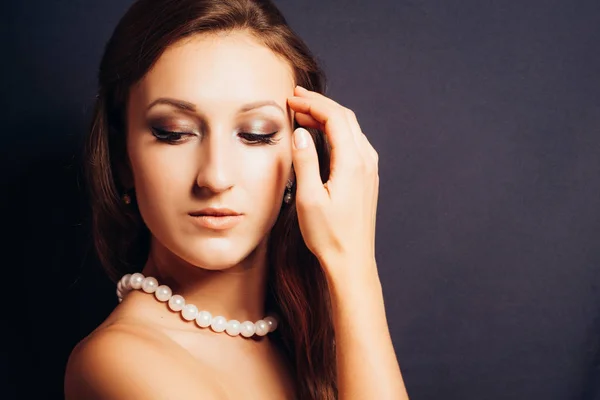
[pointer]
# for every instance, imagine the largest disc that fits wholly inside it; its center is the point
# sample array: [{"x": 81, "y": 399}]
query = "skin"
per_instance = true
[{"x": 143, "y": 351}]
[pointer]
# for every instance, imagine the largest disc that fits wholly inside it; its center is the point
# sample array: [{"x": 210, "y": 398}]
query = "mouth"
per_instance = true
[
  {"x": 214, "y": 222},
  {"x": 215, "y": 212}
]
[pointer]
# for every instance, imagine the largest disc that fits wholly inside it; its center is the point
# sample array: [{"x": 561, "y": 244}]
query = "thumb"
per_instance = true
[{"x": 306, "y": 166}]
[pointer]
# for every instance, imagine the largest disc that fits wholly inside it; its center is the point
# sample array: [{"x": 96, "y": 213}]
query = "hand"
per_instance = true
[{"x": 337, "y": 219}]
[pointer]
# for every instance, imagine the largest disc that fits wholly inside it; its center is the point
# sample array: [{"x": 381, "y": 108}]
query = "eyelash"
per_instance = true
[{"x": 253, "y": 138}]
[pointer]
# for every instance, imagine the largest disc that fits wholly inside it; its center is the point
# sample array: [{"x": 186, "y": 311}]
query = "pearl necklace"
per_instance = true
[{"x": 190, "y": 312}]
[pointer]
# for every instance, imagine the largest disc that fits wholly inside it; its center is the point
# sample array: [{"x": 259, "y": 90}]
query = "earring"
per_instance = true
[
  {"x": 127, "y": 198},
  {"x": 288, "y": 192}
]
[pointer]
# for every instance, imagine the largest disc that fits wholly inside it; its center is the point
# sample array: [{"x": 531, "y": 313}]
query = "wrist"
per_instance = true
[
  {"x": 347, "y": 275},
  {"x": 357, "y": 297}
]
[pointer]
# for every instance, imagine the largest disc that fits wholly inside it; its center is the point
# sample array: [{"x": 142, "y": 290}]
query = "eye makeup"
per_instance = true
[
  {"x": 254, "y": 134},
  {"x": 254, "y": 139}
]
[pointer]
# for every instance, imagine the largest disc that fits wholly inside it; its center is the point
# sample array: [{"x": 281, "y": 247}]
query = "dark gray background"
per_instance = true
[{"x": 486, "y": 116}]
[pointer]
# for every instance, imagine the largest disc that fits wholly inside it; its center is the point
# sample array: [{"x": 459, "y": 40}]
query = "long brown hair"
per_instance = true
[{"x": 297, "y": 289}]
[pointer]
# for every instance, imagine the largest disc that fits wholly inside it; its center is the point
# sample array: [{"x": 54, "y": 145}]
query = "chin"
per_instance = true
[{"x": 217, "y": 253}]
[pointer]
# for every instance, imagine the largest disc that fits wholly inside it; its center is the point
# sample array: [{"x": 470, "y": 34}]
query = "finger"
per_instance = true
[
  {"x": 303, "y": 92},
  {"x": 350, "y": 116},
  {"x": 306, "y": 168},
  {"x": 307, "y": 121},
  {"x": 334, "y": 123}
]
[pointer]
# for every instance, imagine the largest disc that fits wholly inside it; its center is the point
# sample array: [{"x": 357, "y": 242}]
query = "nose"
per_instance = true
[{"x": 216, "y": 168}]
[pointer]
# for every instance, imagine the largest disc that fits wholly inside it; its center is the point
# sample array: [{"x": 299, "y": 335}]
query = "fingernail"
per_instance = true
[
  {"x": 302, "y": 89},
  {"x": 301, "y": 138}
]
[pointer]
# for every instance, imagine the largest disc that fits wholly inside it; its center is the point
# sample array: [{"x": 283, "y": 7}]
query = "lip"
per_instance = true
[
  {"x": 215, "y": 211},
  {"x": 214, "y": 222},
  {"x": 216, "y": 218}
]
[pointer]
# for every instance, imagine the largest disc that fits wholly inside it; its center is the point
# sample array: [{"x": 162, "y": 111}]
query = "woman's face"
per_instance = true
[{"x": 225, "y": 96}]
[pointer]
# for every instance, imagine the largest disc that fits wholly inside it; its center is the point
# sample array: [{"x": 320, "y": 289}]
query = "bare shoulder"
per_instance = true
[{"x": 127, "y": 362}]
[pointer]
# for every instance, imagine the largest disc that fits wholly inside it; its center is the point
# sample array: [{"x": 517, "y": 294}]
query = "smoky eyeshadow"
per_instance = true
[
  {"x": 262, "y": 127},
  {"x": 174, "y": 123}
]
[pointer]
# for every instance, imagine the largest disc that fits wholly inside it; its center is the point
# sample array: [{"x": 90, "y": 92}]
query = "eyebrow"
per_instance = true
[{"x": 187, "y": 106}]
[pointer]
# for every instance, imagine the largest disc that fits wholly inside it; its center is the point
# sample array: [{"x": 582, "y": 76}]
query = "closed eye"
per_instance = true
[
  {"x": 256, "y": 138},
  {"x": 169, "y": 136},
  {"x": 173, "y": 137}
]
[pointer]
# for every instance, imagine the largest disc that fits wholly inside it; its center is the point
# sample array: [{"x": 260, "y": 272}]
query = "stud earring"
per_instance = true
[
  {"x": 127, "y": 198},
  {"x": 287, "y": 198}
]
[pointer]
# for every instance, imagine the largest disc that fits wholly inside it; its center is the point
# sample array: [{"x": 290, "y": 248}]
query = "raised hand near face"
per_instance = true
[{"x": 336, "y": 218}]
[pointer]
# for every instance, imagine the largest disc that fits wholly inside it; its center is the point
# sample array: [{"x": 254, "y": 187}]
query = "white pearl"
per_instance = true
[
  {"x": 125, "y": 280},
  {"x": 262, "y": 327},
  {"x": 272, "y": 323},
  {"x": 189, "y": 312},
  {"x": 218, "y": 324},
  {"x": 203, "y": 319},
  {"x": 176, "y": 302},
  {"x": 119, "y": 286},
  {"x": 233, "y": 327},
  {"x": 247, "y": 329},
  {"x": 125, "y": 288},
  {"x": 163, "y": 293},
  {"x": 121, "y": 291},
  {"x": 149, "y": 285},
  {"x": 136, "y": 280}
]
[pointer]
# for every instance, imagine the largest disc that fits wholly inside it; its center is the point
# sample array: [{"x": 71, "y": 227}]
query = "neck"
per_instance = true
[{"x": 237, "y": 292}]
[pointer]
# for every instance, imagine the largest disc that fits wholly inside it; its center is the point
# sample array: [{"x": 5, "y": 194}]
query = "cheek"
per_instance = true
[
  {"x": 159, "y": 174},
  {"x": 265, "y": 175}
]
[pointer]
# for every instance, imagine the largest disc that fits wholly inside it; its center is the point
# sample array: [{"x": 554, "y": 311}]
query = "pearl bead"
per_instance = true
[
  {"x": 204, "y": 319},
  {"x": 125, "y": 281},
  {"x": 247, "y": 329},
  {"x": 218, "y": 324},
  {"x": 272, "y": 322},
  {"x": 136, "y": 280},
  {"x": 262, "y": 327},
  {"x": 149, "y": 285},
  {"x": 189, "y": 312},
  {"x": 176, "y": 302},
  {"x": 163, "y": 293},
  {"x": 233, "y": 327}
]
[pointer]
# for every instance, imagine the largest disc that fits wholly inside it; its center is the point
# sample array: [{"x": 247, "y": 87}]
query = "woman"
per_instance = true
[{"x": 240, "y": 272}]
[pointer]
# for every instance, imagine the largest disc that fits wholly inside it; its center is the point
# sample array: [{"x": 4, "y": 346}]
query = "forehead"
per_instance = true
[{"x": 218, "y": 69}]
